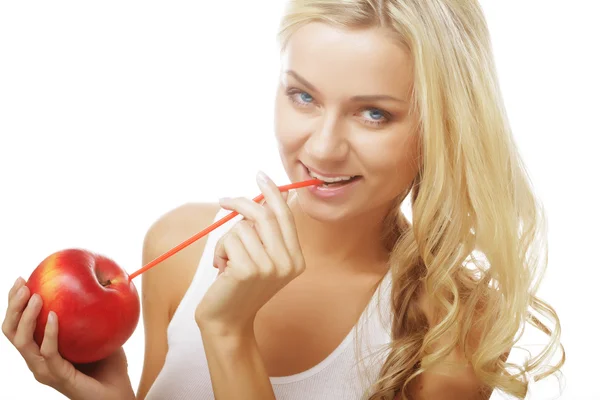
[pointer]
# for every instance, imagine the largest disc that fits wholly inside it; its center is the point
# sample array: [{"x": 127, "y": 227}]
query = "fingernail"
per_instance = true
[
  {"x": 51, "y": 317},
  {"x": 17, "y": 282},
  {"x": 21, "y": 292},
  {"x": 262, "y": 177},
  {"x": 224, "y": 200}
]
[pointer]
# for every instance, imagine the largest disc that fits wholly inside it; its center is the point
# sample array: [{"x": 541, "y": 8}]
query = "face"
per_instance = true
[{"x": 342, "y": 113}]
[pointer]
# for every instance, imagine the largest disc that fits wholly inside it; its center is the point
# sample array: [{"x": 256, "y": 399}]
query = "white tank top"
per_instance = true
[
  {"x": 185, "y": 374},
  {"x": 346, "y": 373}
]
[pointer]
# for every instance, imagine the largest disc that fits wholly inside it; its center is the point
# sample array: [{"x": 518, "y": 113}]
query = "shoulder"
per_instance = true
[
  {"x": 165, "y": 284},
  {"x": 170, "y": 279},
  {"x": 456, "y": 380},
  {"x": 178, "y": 222}
]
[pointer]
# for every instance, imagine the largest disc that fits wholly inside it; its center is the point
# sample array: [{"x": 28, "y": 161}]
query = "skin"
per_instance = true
[{"x": 291, "y": 264}]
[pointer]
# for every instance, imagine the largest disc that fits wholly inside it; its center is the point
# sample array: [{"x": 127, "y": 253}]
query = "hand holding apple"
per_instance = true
[
  {"x": 61, "y": 284},
  {"x": 96, "y": 303}
]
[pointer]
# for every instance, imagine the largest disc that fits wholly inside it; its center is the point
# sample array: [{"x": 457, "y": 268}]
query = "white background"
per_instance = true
[{"x": 114, "y": 112}]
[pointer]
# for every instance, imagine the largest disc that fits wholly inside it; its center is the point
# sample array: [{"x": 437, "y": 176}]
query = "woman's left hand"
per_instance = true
[{"x": 256, "y": 258}]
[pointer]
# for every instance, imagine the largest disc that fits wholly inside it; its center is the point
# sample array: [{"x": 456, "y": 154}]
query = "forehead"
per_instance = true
[{"x": 349, "y": 62}]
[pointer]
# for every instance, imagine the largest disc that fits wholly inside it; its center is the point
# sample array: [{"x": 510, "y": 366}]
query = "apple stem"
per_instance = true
[{"x": 284, "y": 188}]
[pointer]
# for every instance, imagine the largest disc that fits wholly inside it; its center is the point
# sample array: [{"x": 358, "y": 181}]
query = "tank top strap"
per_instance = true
[{"x": 204, "y": 276}]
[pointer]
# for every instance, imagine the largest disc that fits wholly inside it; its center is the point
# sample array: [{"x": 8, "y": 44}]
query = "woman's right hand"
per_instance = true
[{"x": 105, "y": 379}]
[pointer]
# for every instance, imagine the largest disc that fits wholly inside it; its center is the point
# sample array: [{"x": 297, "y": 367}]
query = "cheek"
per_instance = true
[
  {"x": 395, "y": 160},
  {"x": 292, "y": 128}
]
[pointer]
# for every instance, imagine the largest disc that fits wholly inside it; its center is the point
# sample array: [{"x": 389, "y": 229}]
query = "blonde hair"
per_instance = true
[{"x": 477, "y": 243}]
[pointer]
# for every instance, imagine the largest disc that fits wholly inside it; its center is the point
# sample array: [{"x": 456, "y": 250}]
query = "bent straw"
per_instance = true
[{"x": 215, "y": 225}]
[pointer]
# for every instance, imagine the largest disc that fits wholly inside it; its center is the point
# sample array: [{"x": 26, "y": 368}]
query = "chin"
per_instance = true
[{"x": 322, "y": 211}]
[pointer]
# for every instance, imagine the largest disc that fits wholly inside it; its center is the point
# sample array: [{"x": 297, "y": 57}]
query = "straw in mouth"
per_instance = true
[{"x": 215, "y": 225}]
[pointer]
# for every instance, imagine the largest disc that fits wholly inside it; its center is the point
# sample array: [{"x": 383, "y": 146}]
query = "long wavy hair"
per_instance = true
[{"x": 476, "y": 246}]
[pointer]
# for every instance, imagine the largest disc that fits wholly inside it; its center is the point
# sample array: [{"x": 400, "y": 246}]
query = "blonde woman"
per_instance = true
[{"x": 333, "y": 293}]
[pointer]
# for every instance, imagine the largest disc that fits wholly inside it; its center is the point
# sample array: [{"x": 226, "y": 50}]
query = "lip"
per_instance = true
[
  {"x": 326, "y": 175},
  {"x": 330, "y": 193}
]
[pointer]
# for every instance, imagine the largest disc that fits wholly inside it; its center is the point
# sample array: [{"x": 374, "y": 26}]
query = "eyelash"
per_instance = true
[{"x": 291, "y": 93}]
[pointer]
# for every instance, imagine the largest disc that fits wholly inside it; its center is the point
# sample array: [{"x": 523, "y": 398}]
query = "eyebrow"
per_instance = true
[{"x": 372, "y": 97}]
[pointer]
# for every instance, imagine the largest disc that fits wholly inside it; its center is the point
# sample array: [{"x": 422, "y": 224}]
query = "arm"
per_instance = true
[
  {"x": 456, "y": 385},
  {"x": 439, "y": 382},
  {"x": 164, "y": 285},
  {"x": 256, "y": 258},
  {"x": 236, "y": 358}
]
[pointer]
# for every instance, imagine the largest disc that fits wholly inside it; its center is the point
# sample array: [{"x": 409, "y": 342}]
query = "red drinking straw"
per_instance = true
[{"x": 215, "y": 225}]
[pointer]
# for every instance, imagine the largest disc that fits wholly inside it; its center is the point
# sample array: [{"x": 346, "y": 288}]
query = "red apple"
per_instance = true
[{"x": 96, "y": 303}]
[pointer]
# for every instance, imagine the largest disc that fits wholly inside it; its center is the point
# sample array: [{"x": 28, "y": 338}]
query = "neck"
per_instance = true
[{"x": 356, "y": 243}]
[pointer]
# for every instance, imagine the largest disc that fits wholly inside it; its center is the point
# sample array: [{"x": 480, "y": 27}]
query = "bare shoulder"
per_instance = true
[
  {"x": 172, "y": 277},
  {"x": 165, "y": 284},
  {"x": 449, "y": 382}
]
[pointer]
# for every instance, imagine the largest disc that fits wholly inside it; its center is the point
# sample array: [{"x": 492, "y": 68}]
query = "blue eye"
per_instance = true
[
  {"x": 307, "y": 98},
  {"x": 375, "y": 117},
  {"x": 376, "y": 114},
  {"x": 299, "y": 98}
]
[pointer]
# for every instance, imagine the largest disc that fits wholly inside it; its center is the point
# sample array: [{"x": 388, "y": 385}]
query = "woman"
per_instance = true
[{"x": 331, "y": 293}]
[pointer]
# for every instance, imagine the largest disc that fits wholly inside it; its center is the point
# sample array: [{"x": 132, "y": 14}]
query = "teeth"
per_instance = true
[{"x": 330, "y": 180}]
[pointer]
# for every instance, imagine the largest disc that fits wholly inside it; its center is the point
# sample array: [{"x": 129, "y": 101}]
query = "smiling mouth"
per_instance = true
[{"x": 332, "y": 182}]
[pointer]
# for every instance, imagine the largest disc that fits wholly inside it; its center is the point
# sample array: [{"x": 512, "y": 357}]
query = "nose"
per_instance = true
[{"x": 328, "y": 142}]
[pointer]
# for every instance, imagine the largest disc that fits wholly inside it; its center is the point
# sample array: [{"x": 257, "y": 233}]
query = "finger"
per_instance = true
[
  {"x": 18, "y": 284},
  {"x": 23, "y": 339},
  {"x": 49, "y": 350},
  {"x": 220, "y": 255},
  {"x": 265, "y": 223},
  {"x": 221, "y": 269},
  {"x": 240, "y": 263},
  {"x": 282, "y": 212},
  {"x": 284, "y": 195},
  {"x": 254, "y": 247},
  {"x": 14, "y": 311},
  {"x": 49, "y": 347}
]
